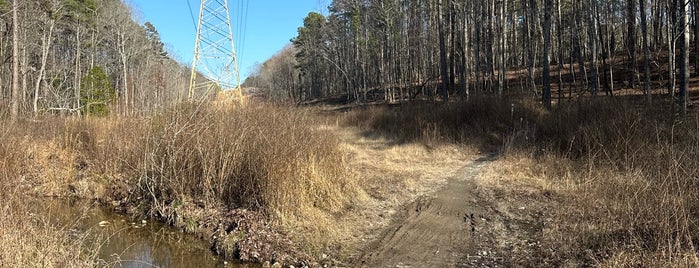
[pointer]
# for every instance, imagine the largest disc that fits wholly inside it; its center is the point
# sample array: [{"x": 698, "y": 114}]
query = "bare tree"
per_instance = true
[
  {"x": 14, "y": 110},
  {"x": 559, "y": 39},
  {"x": 592, "y": 33},
  {"x": 631, "y": 40},
  {"x": 442, "y": 54},
  {"x": 502, "y": 68},
  {"x": 695, "y": 10},
  {"x": 49, "y": 17},
  {"x": 646, "y": 51},
  {"x": 684, "y": 57},
  {"x": 546, "y": 91}
]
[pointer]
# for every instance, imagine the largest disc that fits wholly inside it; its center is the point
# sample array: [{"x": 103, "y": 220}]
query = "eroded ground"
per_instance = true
[
  {"x": 437, "y": 229},
  {"x": 445, "y": 206}
]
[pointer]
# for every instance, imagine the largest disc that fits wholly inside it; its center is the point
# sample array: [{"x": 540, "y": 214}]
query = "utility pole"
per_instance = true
[{"x": 214, "y": 52}]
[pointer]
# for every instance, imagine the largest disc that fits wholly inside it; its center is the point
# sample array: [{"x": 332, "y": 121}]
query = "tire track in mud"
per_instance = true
[{"x": 436, "y": 230}]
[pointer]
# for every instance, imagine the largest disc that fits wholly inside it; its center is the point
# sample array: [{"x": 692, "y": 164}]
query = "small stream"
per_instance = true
[{"x": 129, "y": 242}]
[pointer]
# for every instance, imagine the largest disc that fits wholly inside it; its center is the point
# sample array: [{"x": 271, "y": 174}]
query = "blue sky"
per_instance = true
[{"x": 270, "y": 24}]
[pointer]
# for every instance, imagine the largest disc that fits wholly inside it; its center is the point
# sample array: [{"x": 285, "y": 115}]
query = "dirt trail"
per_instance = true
[{"x": 438, "y": 230}]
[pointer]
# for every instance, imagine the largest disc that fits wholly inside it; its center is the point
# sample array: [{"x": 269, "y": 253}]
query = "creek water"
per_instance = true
[{"x": 122, "y": 241}]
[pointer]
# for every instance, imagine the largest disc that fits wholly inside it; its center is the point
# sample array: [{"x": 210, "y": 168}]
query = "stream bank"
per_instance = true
[{"x": 127, "y": 241}]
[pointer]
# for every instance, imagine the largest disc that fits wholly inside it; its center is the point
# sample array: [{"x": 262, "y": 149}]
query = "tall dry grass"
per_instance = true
[
  {"x": 26, "y": 239},
  {"x": 630, "y": 174},
  {"x": 260, "y": 157},
  {"x": 484, "y": 122},
  {"x": 638, "y": 174},
  {"x": 194, "y": 158},
  {"x": 182, "y": 163}
]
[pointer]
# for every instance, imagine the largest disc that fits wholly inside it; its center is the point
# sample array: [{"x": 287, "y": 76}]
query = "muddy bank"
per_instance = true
[
  {"x": 234, "y": 235},
  {"x": 190, "y": 235},
  {"x": 127, "y": 241}
]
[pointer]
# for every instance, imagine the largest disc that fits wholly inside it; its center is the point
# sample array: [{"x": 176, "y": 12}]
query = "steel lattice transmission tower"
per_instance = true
[{"x": 214, "y": 51}]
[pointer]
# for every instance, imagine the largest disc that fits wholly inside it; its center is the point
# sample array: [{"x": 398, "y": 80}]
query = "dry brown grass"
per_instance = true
[
  {"x": 617, "y": 184},
  {"x": 28, "y": 240},
  {"x": 632, "y": 191},
  {"x": 191, "y": 163},
  {"x": 259, "y": 157},
  {"x": 386, "y": 167},
  {"x": 187, "y": 162}
]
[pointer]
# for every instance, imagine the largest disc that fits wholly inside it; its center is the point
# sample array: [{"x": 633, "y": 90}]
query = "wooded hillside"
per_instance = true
[
  {"x": 554, "y": 48},
  {"x": 77, "y": 56}
]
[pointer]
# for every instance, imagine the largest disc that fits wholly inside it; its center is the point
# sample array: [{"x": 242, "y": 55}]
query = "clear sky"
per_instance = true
[{"x": 269, "y": 25}]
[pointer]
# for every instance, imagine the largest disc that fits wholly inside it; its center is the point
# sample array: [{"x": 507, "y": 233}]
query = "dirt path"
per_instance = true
[{"x": 438, "y": 230}]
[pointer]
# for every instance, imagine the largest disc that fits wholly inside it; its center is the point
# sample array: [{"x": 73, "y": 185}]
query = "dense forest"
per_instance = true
[
  {"x": 78, "y": 56},
  {"x": 397, "y": 50}
]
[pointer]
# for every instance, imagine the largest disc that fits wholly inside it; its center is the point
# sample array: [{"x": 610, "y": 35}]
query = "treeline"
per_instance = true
[
  {"x": 83, "y": 56},
  {"x": 450, "y": 47}
]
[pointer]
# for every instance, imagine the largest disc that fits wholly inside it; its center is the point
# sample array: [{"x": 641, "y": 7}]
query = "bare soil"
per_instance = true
[
  {"x": 436, "y": 230},
  {"x": 392, "y": 175},
  {"x": 489, "y": 212}
]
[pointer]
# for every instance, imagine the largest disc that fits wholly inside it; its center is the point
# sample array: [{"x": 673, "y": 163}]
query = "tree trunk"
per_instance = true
[
  {"x": 452, "y": 46},
  {"x": 684, "y": 64},
  {"x": 14, "y": 110},
  {"x": 559, "y": 37},
  {"x": 464, "y": 56},
  {"x": 631, "y": 40},
  {"x": 530, "y": 45},
  {"x": 45, "y": 48},
  {"x": 580, "y": 46},
  {"x": 695, "y": 9},
  {"x": 592, "y": 32},
  {"x": 442, "y": 55},
  {"x": 607, "y": 52},
  {"x": 546, "y": 91},
  {"x": 24, "y": 69},
  {"x": 503, "y": 47},
  {"x": 646, "y": 51},
  {"x": 490, "y": 48},
  {"x": 657, "y": 24},
  {"x": 76, "y": 79},
  {"x": 477, "y": 59},
  {"x": 671, "y": 19}
]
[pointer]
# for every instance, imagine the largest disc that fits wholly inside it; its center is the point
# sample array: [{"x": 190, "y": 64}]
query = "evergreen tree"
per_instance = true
[{"x": 96, "y": 92}]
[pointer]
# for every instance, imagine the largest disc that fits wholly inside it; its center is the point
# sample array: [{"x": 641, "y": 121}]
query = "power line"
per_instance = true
[
  {"x": 245, "y": 26},
  {"x": 191, "y": 13}
]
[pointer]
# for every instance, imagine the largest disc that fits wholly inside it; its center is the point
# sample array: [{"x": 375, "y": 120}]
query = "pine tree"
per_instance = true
[{"x": 96, "y": 92}]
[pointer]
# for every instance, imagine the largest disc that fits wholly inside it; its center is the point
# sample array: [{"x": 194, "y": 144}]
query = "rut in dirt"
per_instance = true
[{"x": 438, "y": 230}]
